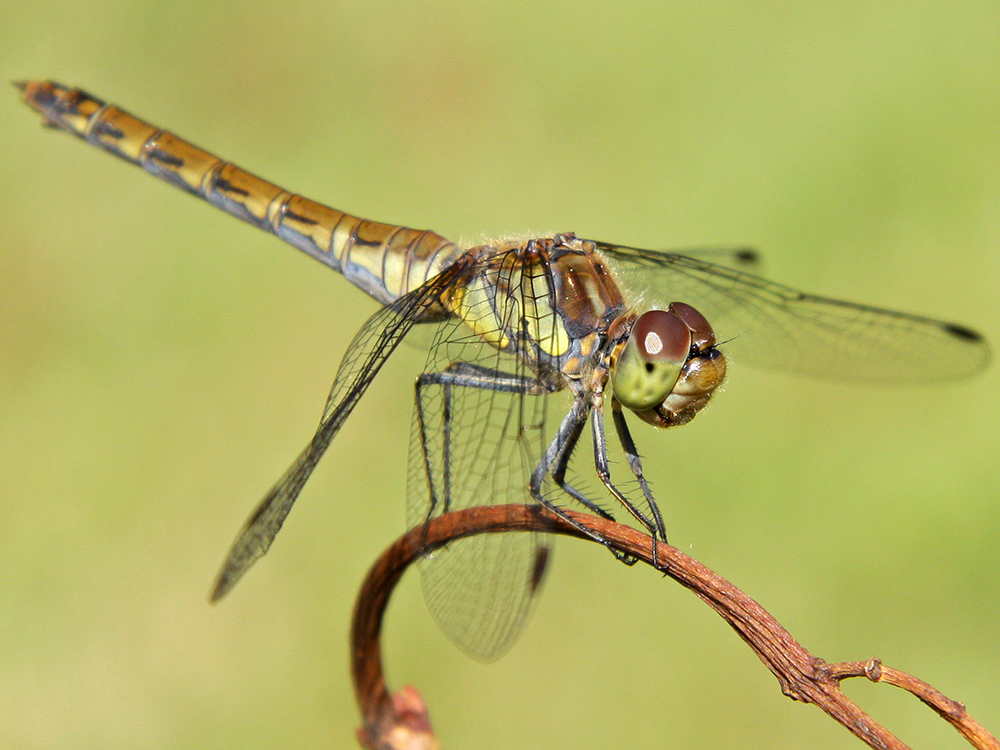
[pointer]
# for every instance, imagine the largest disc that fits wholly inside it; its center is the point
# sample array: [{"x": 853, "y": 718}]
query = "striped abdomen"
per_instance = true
[{"x": 384, "y": 260}]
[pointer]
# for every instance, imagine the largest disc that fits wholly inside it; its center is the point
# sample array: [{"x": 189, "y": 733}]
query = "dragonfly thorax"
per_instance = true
[
  {"x": 667, "y": 367},
  {"x": 549, "y": 301}
]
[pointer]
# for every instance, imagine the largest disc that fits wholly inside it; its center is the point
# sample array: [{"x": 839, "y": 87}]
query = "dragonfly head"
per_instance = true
[{"x": 668, "y": 367}]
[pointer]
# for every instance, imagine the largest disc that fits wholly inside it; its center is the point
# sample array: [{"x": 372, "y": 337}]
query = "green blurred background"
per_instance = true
[{"x": 161, "y": 363}]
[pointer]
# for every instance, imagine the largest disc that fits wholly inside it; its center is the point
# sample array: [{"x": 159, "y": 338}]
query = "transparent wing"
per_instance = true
[
  {"x": 778, "y": 327},
  {"x": 742, "y": 258},
  {"x": 367, "y": 353},
  {"x": 478, "y": 432}
]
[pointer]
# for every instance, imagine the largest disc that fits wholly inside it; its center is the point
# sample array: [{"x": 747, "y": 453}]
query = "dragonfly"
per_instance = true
[{"x": 516, "y": 329}]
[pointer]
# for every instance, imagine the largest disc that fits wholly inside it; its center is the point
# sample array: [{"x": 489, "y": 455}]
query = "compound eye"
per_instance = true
[
  {"x": 651, "y": 361},
  {"x": 703, "y": 336}
]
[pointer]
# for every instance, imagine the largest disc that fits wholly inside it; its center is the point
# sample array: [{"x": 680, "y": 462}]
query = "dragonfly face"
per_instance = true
[{"x": 668, "y": 367}]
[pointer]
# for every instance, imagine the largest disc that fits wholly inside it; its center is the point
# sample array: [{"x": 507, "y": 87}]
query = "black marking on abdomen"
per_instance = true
[
  {"x": 361, "y": 242},
  {"x": 288, "y": 214},
  {"x": 107, "y": 129},
  {"x": 223, "y": 185},
  {"x": 164, "y": 158}
]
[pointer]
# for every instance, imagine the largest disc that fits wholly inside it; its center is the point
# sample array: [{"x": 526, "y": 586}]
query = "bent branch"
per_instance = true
[{"x": 400, "y": 722}]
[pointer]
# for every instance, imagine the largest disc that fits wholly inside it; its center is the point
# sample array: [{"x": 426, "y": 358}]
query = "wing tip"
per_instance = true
[
  {"x": 976, "y": 345},
  {"x": 964, "y": 333}
]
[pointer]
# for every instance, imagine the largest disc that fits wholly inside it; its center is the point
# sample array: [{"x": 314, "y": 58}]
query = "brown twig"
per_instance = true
[{"x": 401, "y": 722}]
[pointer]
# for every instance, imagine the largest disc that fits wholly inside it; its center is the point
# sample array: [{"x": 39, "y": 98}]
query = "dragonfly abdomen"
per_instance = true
[{"x": 384, "y": 260}]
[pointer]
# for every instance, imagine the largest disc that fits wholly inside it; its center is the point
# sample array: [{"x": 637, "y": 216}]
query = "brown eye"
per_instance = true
[
  {"x": 668, "y": 367},
  {"x": 702, "y": 335},
  {"x": 662, "y": 337},
  {"x": 651, "y": 360}
]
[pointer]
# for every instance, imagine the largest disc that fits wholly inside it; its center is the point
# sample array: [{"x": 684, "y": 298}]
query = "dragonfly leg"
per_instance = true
[
  {"x": 554, "y": 462},
  {"x": 470, "y": 375},
  {"x": 653, "y": 526},
  {"x": 462, "y": 375},
  {"x": 561, "y": 464},
  {"x": 635, "y": 464}
]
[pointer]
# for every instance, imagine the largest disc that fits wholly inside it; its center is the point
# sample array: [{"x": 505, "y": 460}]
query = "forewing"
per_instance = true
[
  {"x": 741, "y": 258},
  {"x": 474, "y": 446},
  {"x": 778, "y": 327},
  {"x": 368, "y": 351}
]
